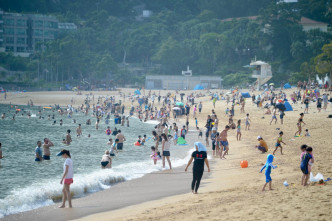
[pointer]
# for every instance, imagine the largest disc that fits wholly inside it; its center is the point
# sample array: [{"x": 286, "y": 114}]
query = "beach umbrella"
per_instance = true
[
  {"x": 179, "y": 104},
  {"x": 281, "y": 106},
  {"x": 176, "y": 108}
]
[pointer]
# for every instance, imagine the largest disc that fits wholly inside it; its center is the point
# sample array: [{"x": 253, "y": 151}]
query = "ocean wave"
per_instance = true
[{"x": 48, "y": 192}]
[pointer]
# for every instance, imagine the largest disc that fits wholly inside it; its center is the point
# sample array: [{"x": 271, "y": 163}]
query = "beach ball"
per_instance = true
[{"x": 244, "y": 164}]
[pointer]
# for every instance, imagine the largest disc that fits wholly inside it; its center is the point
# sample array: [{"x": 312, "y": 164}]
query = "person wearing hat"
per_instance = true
[
  {"x": 200, "y": 157},
  {"x": 67, "y": 178},
  {"x": 262, "y": 145}
]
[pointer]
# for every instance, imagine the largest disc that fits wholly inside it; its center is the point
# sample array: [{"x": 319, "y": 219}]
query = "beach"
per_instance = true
[{"x": 229, "y": 192}]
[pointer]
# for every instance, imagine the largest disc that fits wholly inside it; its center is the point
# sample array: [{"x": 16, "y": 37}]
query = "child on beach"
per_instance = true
[
  {"x": 196, "y": 122},
  {"x": 268, "y": 166},
  {"x": 154, "y": 155},
  {"x": 278, "y": 143},
  {"x": 305, "y": 161},
  {"x": 248, "y": 122},
  {"x": 274, "y": 116},
  {"x": 227, "y": 111},
  {"x": 307, "y": 133},
  {"x": 183, "y": 132},
  {"x": 200, "y": 133},
  {"x": 238, "y": 130}
]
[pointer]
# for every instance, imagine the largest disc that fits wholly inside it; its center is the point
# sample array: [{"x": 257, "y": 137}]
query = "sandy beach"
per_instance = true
[{"x": 230, "y": 192}]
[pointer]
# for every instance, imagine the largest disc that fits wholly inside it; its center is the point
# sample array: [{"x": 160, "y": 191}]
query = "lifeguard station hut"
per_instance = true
[
  {"x": 188, "y": 73},
  {"x": 262, "y": 71}
]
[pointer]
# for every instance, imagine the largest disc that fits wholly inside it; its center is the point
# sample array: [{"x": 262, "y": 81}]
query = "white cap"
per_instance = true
[
  {"x": 259, "y": 137},
  {"x": 213, "y": 128}
]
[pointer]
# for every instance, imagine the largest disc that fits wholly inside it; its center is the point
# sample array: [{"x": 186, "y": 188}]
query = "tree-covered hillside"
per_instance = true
[{"x": 114, "y": 43}]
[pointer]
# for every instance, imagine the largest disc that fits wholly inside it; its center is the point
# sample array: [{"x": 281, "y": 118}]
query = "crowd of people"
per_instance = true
[{"x": 167, "y": 132}]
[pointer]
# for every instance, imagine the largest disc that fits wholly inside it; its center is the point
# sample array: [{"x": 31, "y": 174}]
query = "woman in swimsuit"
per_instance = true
[{"x": 106, "y": 160}]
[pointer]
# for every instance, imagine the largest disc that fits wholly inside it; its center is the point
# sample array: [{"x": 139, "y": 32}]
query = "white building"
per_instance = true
[
  {"x": 172, "y": 82},
  {"x": 309, "y": 24}
]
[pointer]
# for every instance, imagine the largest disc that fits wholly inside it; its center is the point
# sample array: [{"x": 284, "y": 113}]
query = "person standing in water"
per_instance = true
[
  {"x": 200, "y": 158},
  {"x": 1, "y": 152},
  {"x": 46, "y": 147},
  {"x": 68, "y": 138},
  {"x": 166, "y": 150},
  {"x": 39, "y": 152},
  {"x": 79, "y": 130},
  {"x": 67, "y": 178},
  {"x": 121, "y": 139}
]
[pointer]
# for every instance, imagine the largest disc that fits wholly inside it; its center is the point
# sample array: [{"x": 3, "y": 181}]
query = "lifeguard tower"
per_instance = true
[{"x": 262, "y": 71}]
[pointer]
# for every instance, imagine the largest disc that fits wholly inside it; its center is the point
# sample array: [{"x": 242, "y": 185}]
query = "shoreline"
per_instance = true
[
  {"x": 229, "y": 192},
  {"x": 150, "y": 187}
]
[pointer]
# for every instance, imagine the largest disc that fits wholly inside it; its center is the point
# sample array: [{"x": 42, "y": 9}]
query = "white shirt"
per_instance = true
[{"x": 70, "y": 173}]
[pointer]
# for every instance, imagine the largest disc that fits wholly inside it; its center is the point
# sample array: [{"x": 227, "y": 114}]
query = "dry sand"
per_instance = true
[{"x": 233, "y": 193}]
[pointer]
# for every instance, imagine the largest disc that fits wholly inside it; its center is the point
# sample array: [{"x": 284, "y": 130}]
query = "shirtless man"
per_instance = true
[
  {"x": 224, "y": 142},
  {"x": 68, "y": 138},
  {"x": 79, "y": 130},
  {"x": 3, "y": 116},
  {"x": 46, "y": 147},
  {"x": 121, "y": 140}
]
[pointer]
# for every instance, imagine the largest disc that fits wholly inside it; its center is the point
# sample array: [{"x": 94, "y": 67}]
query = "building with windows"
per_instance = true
[
  {"x": 172, "y": 82},
  {"x": 22, "y": 33}
]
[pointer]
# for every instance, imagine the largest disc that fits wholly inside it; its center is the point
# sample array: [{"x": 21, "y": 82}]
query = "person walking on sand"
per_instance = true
[
  {"x": 165, "y": 149},
  {"x": 238, "y": 130},
  {"x": 248, "y": 122},
  {"x": 278, "y": 143},
  {"x": 121, "y": 139},
  {"x": 67, "y": 178},
  {"x": 46, "y": 146},
  {"x": 200, "y": 157},
  {"x": 299, "y": 124},
  {"x": 200, "y": 106},
  {"x": 274, "y": 116},
  {"x": 224, "y": 142},
  {"x": 268, "y": 168}
]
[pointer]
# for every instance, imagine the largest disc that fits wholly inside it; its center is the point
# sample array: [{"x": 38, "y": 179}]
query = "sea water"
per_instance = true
[{"x": 26, "y": 184}]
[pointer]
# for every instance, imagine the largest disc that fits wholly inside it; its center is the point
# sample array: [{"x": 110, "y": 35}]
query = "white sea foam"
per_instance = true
[{"x": 45, "y": 192}]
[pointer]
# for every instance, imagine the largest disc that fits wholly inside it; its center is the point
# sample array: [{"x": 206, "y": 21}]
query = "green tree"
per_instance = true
[{"x": 323, "y": 61}]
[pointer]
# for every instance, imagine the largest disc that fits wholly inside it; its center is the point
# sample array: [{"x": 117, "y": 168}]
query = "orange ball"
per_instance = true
[{"x": 244, "y": 164}]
